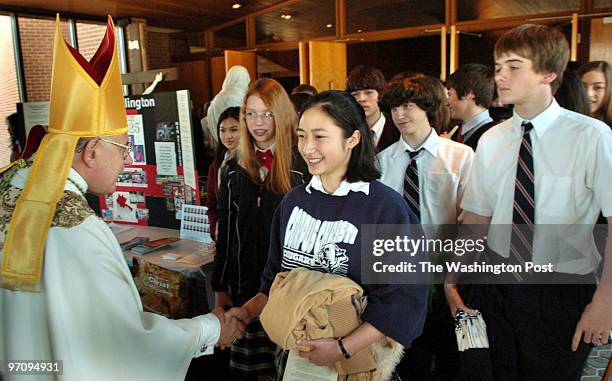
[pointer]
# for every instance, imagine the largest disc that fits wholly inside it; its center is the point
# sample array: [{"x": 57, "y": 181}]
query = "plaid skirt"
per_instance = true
[
  {"x": 281, "y": 361},
  {"x": 253, "y": 355}
]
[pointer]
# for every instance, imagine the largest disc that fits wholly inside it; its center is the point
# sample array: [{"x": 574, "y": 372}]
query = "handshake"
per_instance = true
[
  {"x": 235, "y": 318},
  {"x": 232, "y": 329}
]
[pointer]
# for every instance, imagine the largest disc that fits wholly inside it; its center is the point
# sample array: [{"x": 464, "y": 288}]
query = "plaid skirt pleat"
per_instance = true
[{"x": 253, "y": 354}]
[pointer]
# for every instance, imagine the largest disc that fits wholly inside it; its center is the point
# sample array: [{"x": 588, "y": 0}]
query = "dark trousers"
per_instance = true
[
  {"x": 530, "y": 329},
  {"x": 433, "y": 355},
  {"x": 475, "y": 364}
]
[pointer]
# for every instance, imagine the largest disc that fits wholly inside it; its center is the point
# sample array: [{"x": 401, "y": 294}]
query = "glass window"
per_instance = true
[
  {"x": 478, "y": 47},
  {"x": 300, "y": 21},
  {"x": 368, "y": 16},
  {"x": 493, "y": 9},
  {"x": 9, "y": 89},
  {"x": 396, "y": 56},
  {"x": 233, "y": 36},
  {"x": 278, "y": 61},
  {"x": 599, "y": 4},
  {"x": 36, "y": 37},
  {"x": 89, "y": 37}
]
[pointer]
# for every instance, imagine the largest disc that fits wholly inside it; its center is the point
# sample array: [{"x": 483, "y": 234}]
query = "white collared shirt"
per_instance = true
[
  {"x": 572, "y": 157},
  {"x": 344, "y": 188},
  {"x": 444, "y": 167},
  {"x": 471, "y": 125},
  {"x": 271, "y": 148},
  {"x": 378, "y": 128}
]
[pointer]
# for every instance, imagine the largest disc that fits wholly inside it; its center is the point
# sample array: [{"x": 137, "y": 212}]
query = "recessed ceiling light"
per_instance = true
[
  {"x": 329, "y": 25},
  {"x": 286, "y": 16},
  {"x": 236, "y": 5}
]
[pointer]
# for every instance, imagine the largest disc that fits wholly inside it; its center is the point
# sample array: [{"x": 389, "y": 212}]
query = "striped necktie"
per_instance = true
[
  {"x": 459, "y": 134},
  {"x": 411, "y": 184},
  {"x": 523, "y": 215}
]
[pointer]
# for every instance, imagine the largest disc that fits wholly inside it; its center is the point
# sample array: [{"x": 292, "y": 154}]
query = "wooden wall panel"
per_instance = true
[
  {"x": 327, "y": 65},
  {"x": 193, "y": 76},
  {"x": 304, "y": 64},
  {"x": 246, "y": 59},
  {"x": 601, "y": 35},
  {"x": 217, "y": 74}
]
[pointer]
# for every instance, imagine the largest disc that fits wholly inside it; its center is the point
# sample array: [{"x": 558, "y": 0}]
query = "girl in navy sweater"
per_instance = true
[{"x": 342, "y": 196}]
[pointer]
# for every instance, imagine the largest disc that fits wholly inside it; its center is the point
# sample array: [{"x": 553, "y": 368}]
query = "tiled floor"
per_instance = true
[{"x": 597, "y": 363}]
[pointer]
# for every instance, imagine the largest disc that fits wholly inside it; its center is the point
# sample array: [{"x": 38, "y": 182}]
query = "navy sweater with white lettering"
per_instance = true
[{"x": 322, "y": 232}]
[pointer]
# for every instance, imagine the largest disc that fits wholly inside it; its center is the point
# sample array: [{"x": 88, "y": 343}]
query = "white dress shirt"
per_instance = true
[
  {"x": 572, "y": 156},
  {"x": 444, "y": 167},
  {"x": 378, "y": 128},
  {"x": 344, "y": 188},
  {"x": 271, "y": 148}
]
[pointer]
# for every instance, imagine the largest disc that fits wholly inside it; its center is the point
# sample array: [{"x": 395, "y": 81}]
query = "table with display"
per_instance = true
[{"x": 173, "y": 281}]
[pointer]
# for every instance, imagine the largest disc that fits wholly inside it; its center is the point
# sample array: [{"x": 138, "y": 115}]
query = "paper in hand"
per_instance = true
[
  {"x": 471, "y": 331},
  {"x": 300, "y": 369}
]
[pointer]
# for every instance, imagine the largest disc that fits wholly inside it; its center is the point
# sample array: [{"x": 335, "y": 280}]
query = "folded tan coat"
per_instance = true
[{"x": 304, "y": 304}]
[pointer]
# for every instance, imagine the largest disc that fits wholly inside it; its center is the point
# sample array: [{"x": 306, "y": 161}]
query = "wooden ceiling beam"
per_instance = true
[
  {"x": 394, "y": 34},
  {"x": 510, "y": 22}
]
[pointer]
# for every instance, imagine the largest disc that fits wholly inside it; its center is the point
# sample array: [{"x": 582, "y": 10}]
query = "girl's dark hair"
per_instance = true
[
  {"x": 17, "y": 140},
  {"x": 347, "y": 114},
  {"x": 572, "y": 95},
  {"x": 299, "y": 100},
  {"x": 602, "y": 66},
  {"x": 231, "y": 112}
]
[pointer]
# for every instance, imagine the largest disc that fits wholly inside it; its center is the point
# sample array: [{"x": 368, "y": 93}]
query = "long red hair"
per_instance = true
[{"x": 285, "y": 121}]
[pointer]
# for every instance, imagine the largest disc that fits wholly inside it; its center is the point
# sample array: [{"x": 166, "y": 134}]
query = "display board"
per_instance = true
[{"x": 163, "y": 175}]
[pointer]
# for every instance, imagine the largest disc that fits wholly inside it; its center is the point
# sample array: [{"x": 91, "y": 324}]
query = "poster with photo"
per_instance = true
[
  {"x": 165, "y": 132},
  {"x": 142, "y": 214},
  {"x": 137, "y": 197},
  {"x": 123, "y": 209},
  {"x": 133, "y": 177},
  {"x": 163, "y": 177},
  {"x": 107, "y": 214},
  {"x": 137, "y": 139}
]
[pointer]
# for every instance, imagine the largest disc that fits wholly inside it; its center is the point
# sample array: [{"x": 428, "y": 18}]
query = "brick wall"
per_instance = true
[
  {"x": 37, "y": 51},
  {"x": 158, "y": 50},
  {"x": 9, "y": 92},
  {"x": 193, "y": 75},
  {"x": 89, "y": 37}
]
